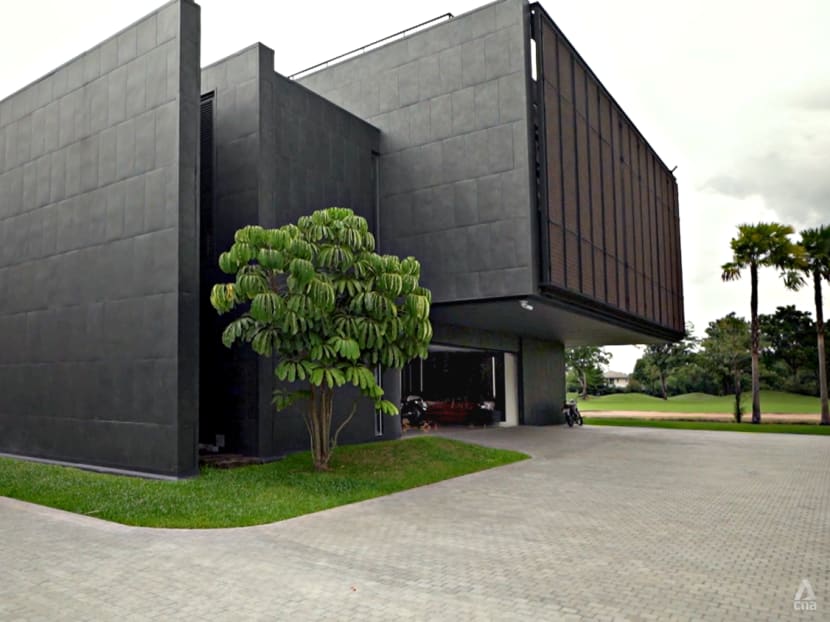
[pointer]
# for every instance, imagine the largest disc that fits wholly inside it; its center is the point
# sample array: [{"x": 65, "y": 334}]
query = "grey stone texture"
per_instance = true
[
  {"x": 601, "y": 524},
  {"x": 230, "y": 379},
  {"x": 451, "y": 103},
  {"x": 281, "y": 152},
  {"x": 462, "y": 336},
  {"x": 98, "y": 253},
  {"x": 315, "y": 154}
]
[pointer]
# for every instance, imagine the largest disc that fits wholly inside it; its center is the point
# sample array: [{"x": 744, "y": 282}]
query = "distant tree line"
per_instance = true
[
  {"x": 784, "y": 350},
  {"x": 720, "y": 362}
]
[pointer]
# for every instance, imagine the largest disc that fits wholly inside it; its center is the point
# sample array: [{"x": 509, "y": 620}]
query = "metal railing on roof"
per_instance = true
[{"x": 370, "y": 46}]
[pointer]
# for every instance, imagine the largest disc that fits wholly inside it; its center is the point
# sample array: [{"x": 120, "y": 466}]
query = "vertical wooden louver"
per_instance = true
[{"x": 609, "y": 215}]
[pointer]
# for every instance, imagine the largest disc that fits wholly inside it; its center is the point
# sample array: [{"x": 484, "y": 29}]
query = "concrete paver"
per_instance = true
[{"x": 602, "y": 524}]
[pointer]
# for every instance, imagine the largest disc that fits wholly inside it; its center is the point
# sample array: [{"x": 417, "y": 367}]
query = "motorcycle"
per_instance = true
[
  {"x": 572, "y": 414},
  {"x": 414, "y": 410}
]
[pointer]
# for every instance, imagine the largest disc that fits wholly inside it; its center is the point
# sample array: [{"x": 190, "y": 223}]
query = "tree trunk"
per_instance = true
[
  {"x": 738, "y": 408},
  {"x": 319, "y": 426},
  {"x": 318, "y": 422},
  {"x": 312, "y": 424},
  {"x": 822, "y": 360},
  {"x": 755, "y": 329},
  {"x": 663, "y": 386},
  {"x": 583, "y": 382}
]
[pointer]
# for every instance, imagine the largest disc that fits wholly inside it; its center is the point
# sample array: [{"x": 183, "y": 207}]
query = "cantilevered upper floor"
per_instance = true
[{"x": 509, "y": 169}]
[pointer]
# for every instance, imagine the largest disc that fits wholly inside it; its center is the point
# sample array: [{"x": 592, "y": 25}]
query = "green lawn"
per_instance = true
[
  {"x": 771, "y": 402},
  {"x": 250, "y": 495},
  {"x": 775, "y": 428}
]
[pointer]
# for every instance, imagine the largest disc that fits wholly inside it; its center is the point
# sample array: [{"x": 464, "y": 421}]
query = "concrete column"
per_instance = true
[
  {"x": 511, "y": 390},
  {"x": 542, "y": 381}
]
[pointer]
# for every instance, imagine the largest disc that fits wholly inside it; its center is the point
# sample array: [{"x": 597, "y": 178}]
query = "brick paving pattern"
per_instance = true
[{"x": 602, "y": 524}]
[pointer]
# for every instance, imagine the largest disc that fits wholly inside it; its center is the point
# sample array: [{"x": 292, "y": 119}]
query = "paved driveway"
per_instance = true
[{"x": 603, "y": 523}]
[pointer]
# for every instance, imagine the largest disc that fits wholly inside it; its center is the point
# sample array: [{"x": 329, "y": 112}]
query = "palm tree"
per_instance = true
[
  {"x": 816, "y": 244},
  {"x": 757, "y": 246}
]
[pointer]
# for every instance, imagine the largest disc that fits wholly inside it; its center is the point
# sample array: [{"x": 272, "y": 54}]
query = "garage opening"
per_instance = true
[{"x": 461, "y": 386}]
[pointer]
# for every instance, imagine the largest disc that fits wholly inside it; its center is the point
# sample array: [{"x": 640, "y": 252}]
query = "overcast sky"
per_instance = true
[{"x": 736, "y": 93}]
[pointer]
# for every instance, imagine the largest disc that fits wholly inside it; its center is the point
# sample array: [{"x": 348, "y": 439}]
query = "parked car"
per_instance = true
[{"x": 460, "y": 412}]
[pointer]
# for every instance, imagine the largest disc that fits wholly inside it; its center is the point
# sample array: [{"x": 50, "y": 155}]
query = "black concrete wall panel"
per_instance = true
[
  {"x": 189, "y": 261},
  {"x": 542, "y": 365},
  {"x": 451, "y": 102},
  {"x": 98, "y": 263},
  {"x": 448, "y": 334},
  {"x": 282, "y": 151},
  {"x": 230, "y": 403},
  {"x": 313, "y": 155},
  {"x": 620, "y": 244}
]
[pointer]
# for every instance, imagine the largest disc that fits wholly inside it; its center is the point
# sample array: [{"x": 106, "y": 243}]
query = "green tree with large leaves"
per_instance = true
[
  {"x": 585, "y": 363},
  {"x": 816, "y": 244},
  {"x": 765, "y": 244},
  {"x": 316, "y": 295}
]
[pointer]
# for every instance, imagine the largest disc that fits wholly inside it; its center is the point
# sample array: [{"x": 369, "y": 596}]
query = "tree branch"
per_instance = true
[{"x": 343, "y": 425}]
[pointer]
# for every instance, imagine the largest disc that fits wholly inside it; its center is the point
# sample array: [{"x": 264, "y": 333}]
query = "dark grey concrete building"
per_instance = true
[
  {"x": 99, "y": 267},
  {"x": 542, "y": 215},
  {"x": 483, "y": 145},
  {"x": 272, "y": 151}
]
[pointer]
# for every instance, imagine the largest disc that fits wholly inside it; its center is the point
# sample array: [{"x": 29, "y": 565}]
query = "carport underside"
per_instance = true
[
  {"x": 571, "y": 322},
  {"x": 525, "y": 337}
]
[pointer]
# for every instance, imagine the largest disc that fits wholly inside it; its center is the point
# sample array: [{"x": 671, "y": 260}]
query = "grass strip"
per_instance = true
[
  {"x": 250, "y": 495},
  {"x": 720, "y": 426},
  {"x": 778, "y": 402}
]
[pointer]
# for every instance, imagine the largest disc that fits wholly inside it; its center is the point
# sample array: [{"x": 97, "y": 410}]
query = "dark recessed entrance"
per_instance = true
[{"x": 465, "y": 386}]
